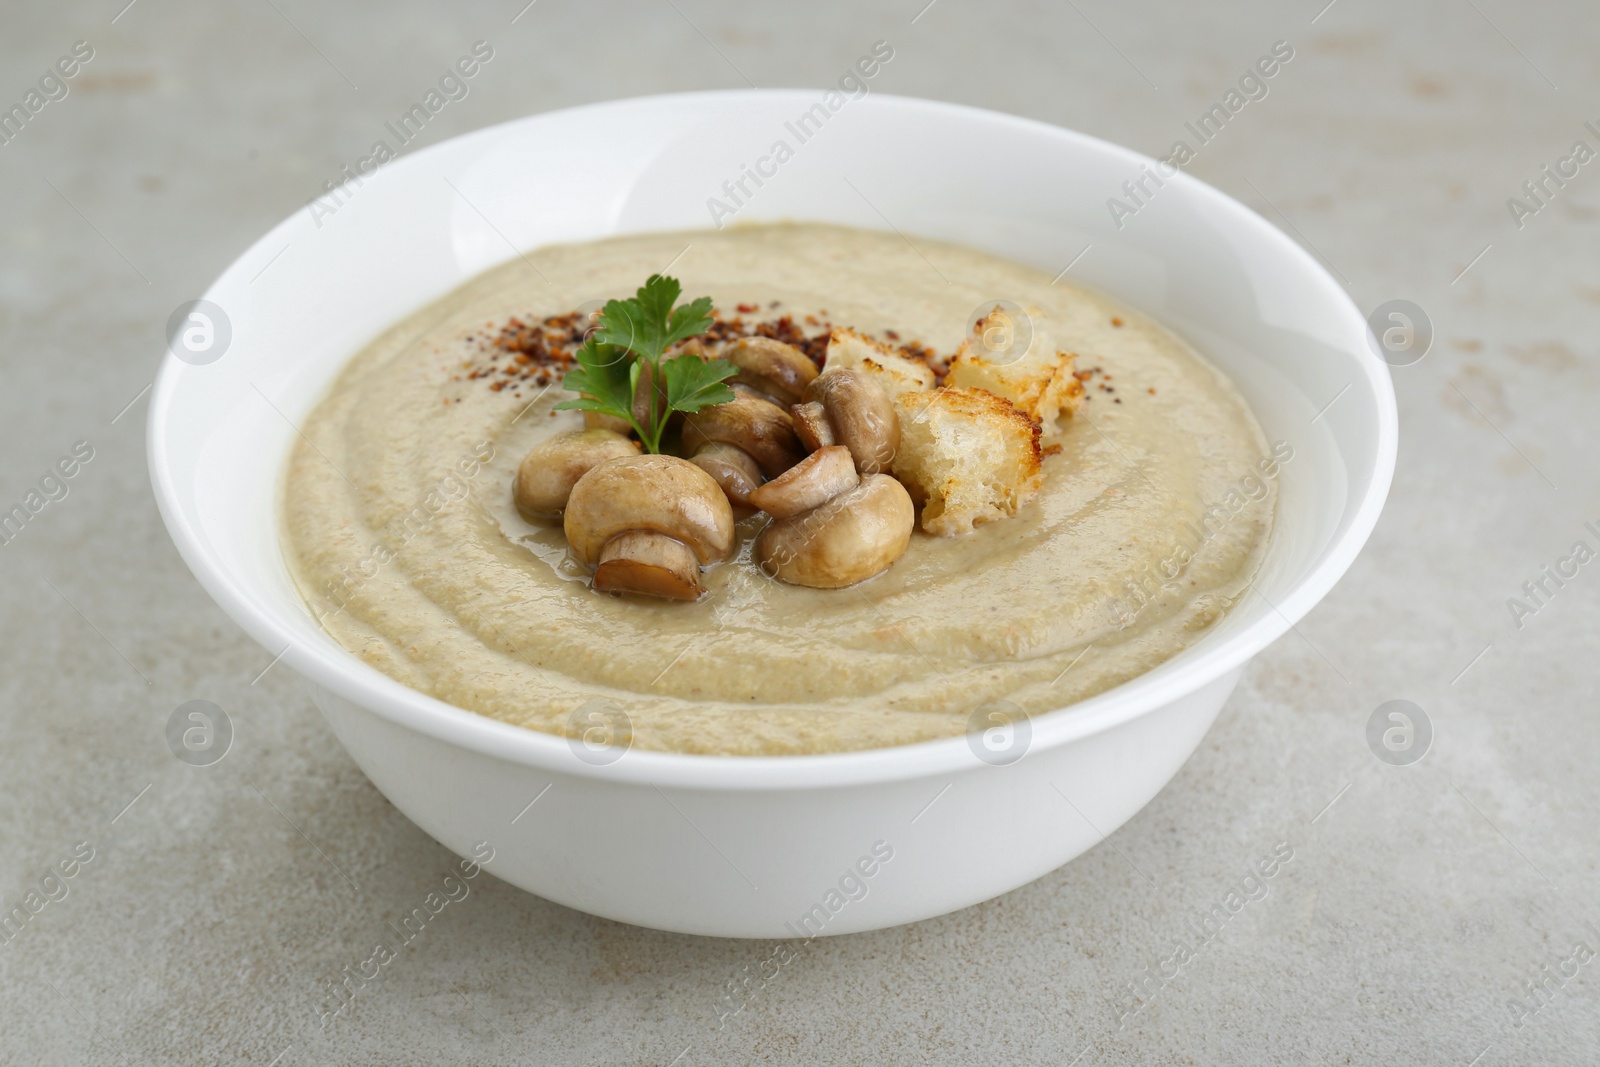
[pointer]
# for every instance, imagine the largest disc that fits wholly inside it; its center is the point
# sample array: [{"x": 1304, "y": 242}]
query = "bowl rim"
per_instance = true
[{"x": 342, "y": 674}]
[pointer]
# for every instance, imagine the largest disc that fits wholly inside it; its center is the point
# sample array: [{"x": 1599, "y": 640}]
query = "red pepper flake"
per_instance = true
[
  {"x": 541, "y": 349},
  {"x": 1116, "y": 321}
]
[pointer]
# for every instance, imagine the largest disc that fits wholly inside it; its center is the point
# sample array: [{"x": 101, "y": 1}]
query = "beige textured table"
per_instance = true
[{"x": 1442, "y": 912}]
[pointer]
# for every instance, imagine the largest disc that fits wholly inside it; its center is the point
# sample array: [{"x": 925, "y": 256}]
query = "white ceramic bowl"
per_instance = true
[{"x": 751, "y": 847}]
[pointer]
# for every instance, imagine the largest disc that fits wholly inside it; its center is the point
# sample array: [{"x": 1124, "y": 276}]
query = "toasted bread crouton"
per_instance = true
[
  {"x": 894, "y": 372},
  {"x": 967, "y": 456},
  {"x": 1039, "y": 381}
]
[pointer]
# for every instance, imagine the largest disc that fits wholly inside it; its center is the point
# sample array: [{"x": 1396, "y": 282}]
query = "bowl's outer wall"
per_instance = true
[
  {"x": 761, "y": 865},
  {"x": 1256, "y": 303}
]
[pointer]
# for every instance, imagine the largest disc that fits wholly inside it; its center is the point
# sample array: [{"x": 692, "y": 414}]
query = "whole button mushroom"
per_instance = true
[
  {"x": 647, "y": 524},
  {"x": 552, "y": 467},
  {"x": 848, "y": 408},
  {"x": 780, "y": 371},
  {"x": 757, "y": 427},
  {"x": 859, "y": 533}
]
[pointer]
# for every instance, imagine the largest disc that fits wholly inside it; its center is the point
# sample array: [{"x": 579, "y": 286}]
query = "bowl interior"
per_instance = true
[{"x": 325, "y": 281}]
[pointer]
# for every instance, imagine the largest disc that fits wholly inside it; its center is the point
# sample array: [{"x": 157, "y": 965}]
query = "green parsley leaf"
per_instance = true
[
  {"x": 694, "y": 382},
  {"x": 646, "y": 324},
  {"x": 689, "y": 320},
  {"x": 656, "y": 297},
  {"x": 627, "y": 325},
  {"x": 602, "y": 379},
  {"x": 634, "y": 334}
]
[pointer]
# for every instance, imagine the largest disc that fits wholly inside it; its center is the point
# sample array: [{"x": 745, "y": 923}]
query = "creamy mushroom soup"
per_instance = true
[{"x": 1153, "y": 506}]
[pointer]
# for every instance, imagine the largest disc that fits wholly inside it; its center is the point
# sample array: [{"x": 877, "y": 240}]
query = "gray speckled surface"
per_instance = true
[{"x": 218, "y": 905}]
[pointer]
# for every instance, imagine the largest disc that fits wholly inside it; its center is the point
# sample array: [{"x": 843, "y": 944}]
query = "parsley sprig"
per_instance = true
[{"x": 632, "y": 336}]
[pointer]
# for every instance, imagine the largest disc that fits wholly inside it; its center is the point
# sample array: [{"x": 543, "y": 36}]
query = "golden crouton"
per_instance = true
[
  {"x": 1038, "y": 381},
  {"x": 894, "y": 372},
  {"x": 968, "y": 456}
]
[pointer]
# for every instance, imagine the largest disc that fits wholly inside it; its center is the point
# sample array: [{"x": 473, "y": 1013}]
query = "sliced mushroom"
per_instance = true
[
  {"x": 811, "y": 425},
  {"x": 810, "y": 483},
  {"x": 852, "y": 537},
  {"x": 780, "y": 371},
  {"x": 662, "y": 499},
  {"x": 732, "y": 468},
  {"x": 759, "y": 427},
  {"x": 552, "y": 467},
  {"x": 861, "y": 416}
]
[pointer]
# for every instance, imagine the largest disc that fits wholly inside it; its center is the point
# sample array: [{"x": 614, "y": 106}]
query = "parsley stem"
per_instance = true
[
  {"x": 657, "y": 422},
  {"x": 640, "y": 431}
]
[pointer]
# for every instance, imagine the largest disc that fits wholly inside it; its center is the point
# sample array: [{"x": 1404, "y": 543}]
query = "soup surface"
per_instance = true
[{"x": 1150, "y": 521}]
